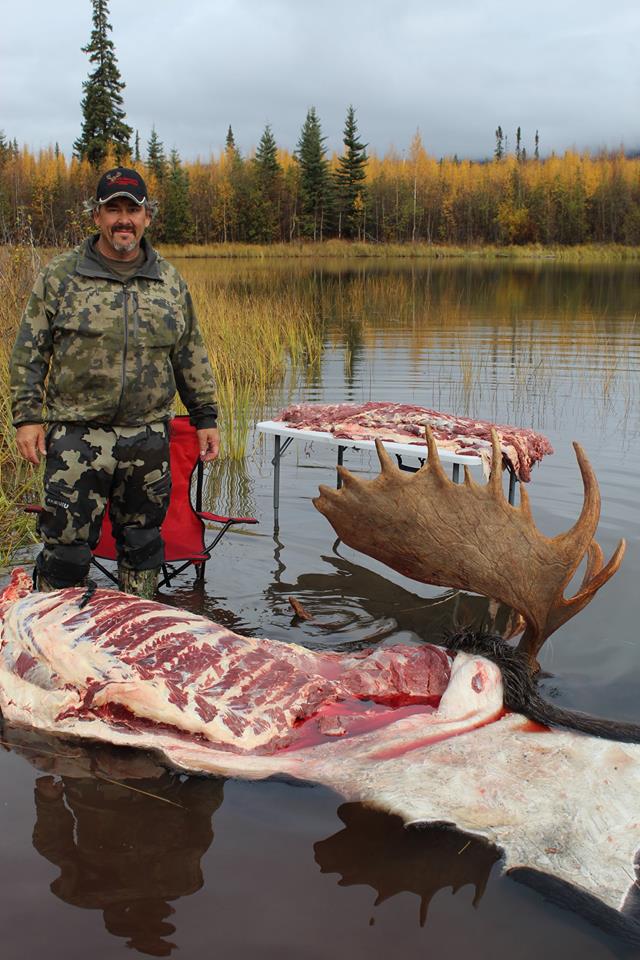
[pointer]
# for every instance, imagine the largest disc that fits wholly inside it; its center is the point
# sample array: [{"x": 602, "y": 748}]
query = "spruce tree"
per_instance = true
[
  {"x": 136, "y": 149},
  {"x": 314, "y": 177},
  {"x": 499, "y": 151},
  {"x": 350, "y": 177},
  {"x": 264, "y": 223},
  {"x": 230, "y": 146},
  {"x": 234, "y": 192},
  {"x": 156, "y": 160},
  {"x": 266, "y": 158},
  {"x": 103, "y": 114},
  {"x": 177, "y": 215}
]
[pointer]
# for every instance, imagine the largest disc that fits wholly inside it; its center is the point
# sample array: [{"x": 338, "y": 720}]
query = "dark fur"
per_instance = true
[{"x": 521, "y": 693}]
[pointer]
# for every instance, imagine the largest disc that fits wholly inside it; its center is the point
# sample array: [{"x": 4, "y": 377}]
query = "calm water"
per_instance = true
[{"x": 93, "y": 866}]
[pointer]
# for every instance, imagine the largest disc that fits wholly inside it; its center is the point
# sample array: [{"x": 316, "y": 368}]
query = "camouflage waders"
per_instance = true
[{"x": 86, "y": 466}]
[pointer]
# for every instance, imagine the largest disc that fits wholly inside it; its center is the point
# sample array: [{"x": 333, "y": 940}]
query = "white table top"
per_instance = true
[{"x": 417, "y": 450}]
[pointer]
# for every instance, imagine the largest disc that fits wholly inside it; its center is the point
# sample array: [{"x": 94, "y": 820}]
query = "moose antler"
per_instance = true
[{"x": 467, "y": 536}]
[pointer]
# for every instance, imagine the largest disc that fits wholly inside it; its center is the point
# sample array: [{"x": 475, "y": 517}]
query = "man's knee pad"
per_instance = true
[
  {"x": 64, "y": 565},
  {"x": 142, "y": 548}
]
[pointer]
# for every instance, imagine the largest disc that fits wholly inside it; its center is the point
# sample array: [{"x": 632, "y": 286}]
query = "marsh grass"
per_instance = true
[
  {"x": 253, "y": 343},
  {"x": 19, "y": 481},
  {"x": 352, "y": 250}
]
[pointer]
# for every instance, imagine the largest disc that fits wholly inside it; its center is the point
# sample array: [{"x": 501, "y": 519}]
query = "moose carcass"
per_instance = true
[{"x": 411, "y": 730}]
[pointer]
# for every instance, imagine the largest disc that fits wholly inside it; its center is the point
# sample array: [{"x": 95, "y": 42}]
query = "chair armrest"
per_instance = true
[{"x": 215, "y": 518}]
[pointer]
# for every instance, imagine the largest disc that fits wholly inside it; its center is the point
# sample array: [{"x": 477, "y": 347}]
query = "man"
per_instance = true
[{"x": 111, "y": 324}]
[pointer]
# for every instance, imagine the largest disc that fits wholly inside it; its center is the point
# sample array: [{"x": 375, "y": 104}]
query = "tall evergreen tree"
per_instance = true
[
  {"x": 264, "y": 223},
  {"x": 230, "y": 145},
  {"x": 103, "y": 125},
  {"x": 536, "y": 152},
  {"x": 266, "y": 158},
  {"x": 314, "y": 177},
  {"x": 350, "y": 177},
  {"x": 177, "y": 215},
  {"x": 499, "y": 150},
  {"x": 136, "y": 149},
  {"x": 156, "y": 160}
]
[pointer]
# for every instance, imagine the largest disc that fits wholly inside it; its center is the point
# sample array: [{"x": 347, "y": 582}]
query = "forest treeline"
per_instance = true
[{"x": 275, "y": 195}]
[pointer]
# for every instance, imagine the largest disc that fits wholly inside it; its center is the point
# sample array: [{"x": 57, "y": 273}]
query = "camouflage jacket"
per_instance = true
[{"x": 114, "y": 351}]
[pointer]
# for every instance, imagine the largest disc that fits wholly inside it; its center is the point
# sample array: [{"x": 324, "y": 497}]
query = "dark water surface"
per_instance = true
[{"x": 103, "y": 851}]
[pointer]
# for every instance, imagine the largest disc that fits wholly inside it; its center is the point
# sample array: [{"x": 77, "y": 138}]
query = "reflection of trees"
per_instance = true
[
  {"x": 367, "y": 607},
  {"x": 126, "y": 835},
  {"x": 228, "y": 488},
  {"x": 378, "y": 850}
]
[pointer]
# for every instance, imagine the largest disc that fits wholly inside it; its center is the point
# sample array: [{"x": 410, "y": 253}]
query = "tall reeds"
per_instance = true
[
  {"x": 253, "y": 341},
  {"x": 19, "y": 481}
]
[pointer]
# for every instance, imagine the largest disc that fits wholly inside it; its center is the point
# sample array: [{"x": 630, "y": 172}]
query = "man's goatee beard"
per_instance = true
[{"x": 125, "y": 247}]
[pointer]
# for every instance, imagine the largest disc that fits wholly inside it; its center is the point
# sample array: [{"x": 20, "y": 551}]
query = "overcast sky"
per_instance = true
[{"x": 455, "y": 69}]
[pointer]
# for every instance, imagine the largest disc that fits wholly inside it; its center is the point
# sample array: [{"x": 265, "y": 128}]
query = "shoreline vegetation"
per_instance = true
[{"x": 353, "y": 249}]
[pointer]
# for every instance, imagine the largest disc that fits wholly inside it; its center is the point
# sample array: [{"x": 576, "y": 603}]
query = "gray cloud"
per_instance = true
[{"x": 456, "y": 71}]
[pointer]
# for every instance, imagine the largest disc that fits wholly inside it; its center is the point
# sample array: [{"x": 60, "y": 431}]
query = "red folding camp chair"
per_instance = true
[{"x": 183, "y": 530}]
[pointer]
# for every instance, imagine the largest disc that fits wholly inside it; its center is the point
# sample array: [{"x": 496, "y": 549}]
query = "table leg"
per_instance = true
[
  {"x": 341, "y": 451},
  {"x": 276, "y": 481},
  {"x": 512, "y": 487},
  {"x": 456, "y": 473}
]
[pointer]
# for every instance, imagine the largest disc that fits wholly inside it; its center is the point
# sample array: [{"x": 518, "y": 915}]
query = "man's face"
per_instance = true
[{"x": 121, "y": 223}]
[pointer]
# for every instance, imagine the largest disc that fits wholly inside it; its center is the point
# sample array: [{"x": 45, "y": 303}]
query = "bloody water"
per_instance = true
[{"x": 106, "y": 855}]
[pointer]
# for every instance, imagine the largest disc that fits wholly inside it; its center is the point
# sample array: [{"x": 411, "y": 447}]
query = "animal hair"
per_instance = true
[{"x": 521, "y": 689}]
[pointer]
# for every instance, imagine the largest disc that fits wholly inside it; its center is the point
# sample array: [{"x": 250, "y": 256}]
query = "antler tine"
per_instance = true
[
  {"x": 495, "y": 474},
  {"x": 596, "y": 575},
  {"x": 595, "y": 561},
  {"x": 386, "y": 463},
  {"x": 525, "y": 506},
  {"x": 347, "y": 478},
  {"x": 433, "y": 462},
  {"x": 585, "y": 526},
  {"x": 566, "y": 609}
]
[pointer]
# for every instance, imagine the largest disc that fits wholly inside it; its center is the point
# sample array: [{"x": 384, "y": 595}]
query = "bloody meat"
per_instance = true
[{"x": 405, "y": 423}]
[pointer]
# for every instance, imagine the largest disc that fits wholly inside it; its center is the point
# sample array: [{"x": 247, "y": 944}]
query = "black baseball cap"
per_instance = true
[{"x": 121, "y": 182}]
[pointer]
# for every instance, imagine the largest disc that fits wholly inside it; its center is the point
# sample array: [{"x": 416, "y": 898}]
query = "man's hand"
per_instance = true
[
  {"x": 30, "y": 442},
  {"x": 209, "y": 441}
]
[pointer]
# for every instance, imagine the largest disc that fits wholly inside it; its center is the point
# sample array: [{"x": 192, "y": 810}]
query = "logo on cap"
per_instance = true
[{"x": 121, "y": 183}]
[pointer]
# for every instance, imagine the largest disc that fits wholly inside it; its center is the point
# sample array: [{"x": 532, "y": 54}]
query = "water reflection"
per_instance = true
[
  {"x": 228, "y": 489},
  {"x": 126, "y": 835},
  {"x": 353, "y": 607},
  {"x": 378, "y": 850},
  {"x": 527, "y": 342}
]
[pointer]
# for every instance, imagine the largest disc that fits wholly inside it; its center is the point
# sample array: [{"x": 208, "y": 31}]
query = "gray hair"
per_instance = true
[{"x": 91, "y": 205}]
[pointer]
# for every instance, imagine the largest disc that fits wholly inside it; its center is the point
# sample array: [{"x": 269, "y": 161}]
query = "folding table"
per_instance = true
[{"x": 284, "y": 436}]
